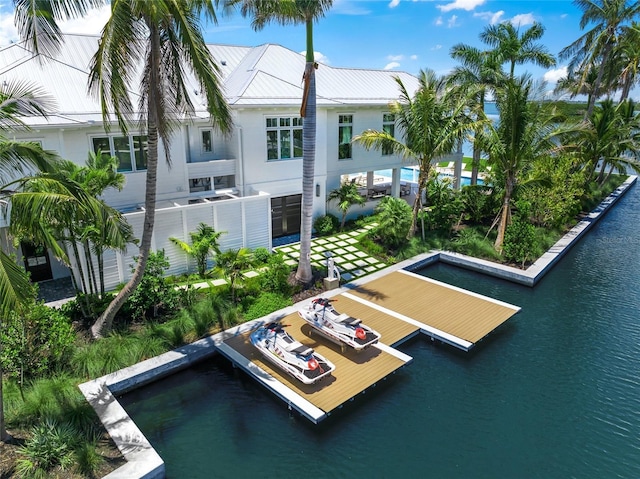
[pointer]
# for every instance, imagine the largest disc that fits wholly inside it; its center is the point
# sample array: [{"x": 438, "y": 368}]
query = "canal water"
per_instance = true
[{"x": 554, "y": 393}]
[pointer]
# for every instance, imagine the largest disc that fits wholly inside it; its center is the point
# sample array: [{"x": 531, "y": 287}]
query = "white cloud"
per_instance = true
[
  {"x": 8, "y": 32},
  {"x": 414, "y": 57},
  {"x": 564, "y": 15},
  {"x": 318, "y": 56},
  {"x": 467, "y": 5},
  {"x": 391, "y": 66},
  {"x": 523, "y": 19},
  {"x": 394, "y": 3},
  {"x": 92, "y": 23},
  {"x": 554, "y": 75},
  {"x": 437, "y": 47},
  {"x": 395, "y": 58},
  {"x": 492, "y": 17},
  {"x": 452, "y": 21},
  {"x": 438, "y": 21}
]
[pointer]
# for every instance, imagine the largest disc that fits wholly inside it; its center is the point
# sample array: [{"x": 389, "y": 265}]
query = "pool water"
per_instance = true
[{"x": 554, "y": 393}]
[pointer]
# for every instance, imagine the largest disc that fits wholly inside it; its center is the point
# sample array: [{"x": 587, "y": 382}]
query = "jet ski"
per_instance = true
[
  {"x": 300, "y": 361},
  {"x": 342, "y": 329}
]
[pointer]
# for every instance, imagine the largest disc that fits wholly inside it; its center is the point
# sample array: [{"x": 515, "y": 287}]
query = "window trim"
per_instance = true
[
  {"x": 349, "y": 145},
  {"x": 294, "y": 129},
  {"x": 132, "y": 151},
  {"x": 203, "y": 150},
  {"x": 388, "y": 123}
]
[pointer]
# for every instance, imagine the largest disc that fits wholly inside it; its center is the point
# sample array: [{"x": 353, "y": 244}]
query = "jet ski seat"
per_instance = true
[{"x": 346, "y": 319}]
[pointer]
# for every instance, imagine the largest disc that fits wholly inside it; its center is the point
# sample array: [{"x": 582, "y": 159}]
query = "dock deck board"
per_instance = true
[
  {"x": 398, "y": 305},
  {"x": 463, "y": 314},
  {"x": 349, "y": 378}
]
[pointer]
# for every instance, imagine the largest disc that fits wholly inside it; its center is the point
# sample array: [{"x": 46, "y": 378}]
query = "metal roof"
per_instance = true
[{"x": 266, "y": 75}]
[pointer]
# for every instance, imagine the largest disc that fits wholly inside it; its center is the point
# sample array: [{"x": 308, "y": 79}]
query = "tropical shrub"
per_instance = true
[
  {"x": 326, "y": 225},
  {"x": 275, "y": 277},
  {"x": 479, "y": 203},
  {"x": 50, "y": 445},
  {"x": 472, "y": 242},
  {"x": 204, "y": 242},
  {"x": 394, "y": 221},
  {"x": 445, "y": 205},
  {"x": 261, "y": 255},
  {"x": 35, "y": 343},
  {"x": 265, "y": 304},
  {"x": 520, "y": 236},
  {"x": 557, "y": 203},
  {"x": 154, "y": 295}
]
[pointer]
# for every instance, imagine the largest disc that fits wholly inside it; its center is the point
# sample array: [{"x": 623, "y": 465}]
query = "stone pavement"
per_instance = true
[{"x": 350, "y": 260}]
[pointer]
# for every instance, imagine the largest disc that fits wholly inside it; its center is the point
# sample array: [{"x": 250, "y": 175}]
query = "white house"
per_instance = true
[{"x": 247, "y": 184}]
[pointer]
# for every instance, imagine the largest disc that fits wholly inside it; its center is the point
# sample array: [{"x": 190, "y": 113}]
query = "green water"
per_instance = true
[{"x": 555, "y": 393}]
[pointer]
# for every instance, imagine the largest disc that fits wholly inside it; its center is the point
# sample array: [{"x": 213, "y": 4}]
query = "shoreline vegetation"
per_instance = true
[
  {"x": 58, "y": 398},
  {"x": 545, "y": 165}
]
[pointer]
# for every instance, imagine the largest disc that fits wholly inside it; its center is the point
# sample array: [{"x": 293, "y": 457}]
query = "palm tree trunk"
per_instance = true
[
  {"x": 417, "y": 202},
  {"x": 76, "y": 255},
  {"x": 505, "y": 217},
  {"x": 475, "y": 163},
  {"x": 303, "y": 273},
  {"x": 598, "y": 81},
  {"x": 104, "y": 323},
  {"x": 3, "y": 431},
  {"x": 100, "y": 255},
  {"x": 90, "y": 270}
]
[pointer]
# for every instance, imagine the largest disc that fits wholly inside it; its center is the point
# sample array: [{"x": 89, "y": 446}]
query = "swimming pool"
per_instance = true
[{"x": 408, "y": 173}]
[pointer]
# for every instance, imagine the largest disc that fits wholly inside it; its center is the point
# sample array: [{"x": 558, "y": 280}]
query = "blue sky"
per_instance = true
[{"x": 405, "y": 35}]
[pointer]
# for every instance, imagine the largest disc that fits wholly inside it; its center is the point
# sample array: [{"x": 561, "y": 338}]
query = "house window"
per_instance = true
[
  {"x": 224, "y": 182},
  {"x": 284, "y": 138},
  {"x": 131, "y": 151},
  {"x": 207, "y": 140},
  {"x": 388, "y": 126},
  {"x": 199, "y": 184},
  {"x": 345, "y": 133}
]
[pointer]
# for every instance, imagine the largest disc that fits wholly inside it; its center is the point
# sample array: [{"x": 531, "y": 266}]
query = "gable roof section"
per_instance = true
[{"x": 266, "y": 75}]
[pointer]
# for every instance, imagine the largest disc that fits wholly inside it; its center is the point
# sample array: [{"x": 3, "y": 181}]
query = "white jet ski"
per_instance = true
[
  {"x": 339, "y": 328},
  {"x": 300, "y": 361}
]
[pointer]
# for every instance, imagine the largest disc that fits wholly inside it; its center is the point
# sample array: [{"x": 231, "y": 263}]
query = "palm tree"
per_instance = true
[
  {"x": 575, "y": 83},
  {"x": 37, "y": 21},
  {"x": 515, "y": 49},
  {"x": 478, "y": 71},
  {"x": 204, "y": 241},
  {"x": 432, "y": 121},
  {"x": 596, "y": 46},
  {"x": 17, "y": 100},
  {"x": 522, "y": 135},
  {"x": 606, "y": 138},
  {"x": 163, "y": 39},
  {"x": 231, "y": 264},
  {"x": 628, "y": 57},
  {"x": 346, "y": 196},
  {"x": 294, "y": 12}
]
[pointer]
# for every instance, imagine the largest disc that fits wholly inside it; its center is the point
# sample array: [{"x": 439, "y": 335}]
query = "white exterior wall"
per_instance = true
[{"x": 245, "y": 221}]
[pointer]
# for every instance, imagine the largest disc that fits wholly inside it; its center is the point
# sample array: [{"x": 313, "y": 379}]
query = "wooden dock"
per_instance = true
[
  {"x": 450, "y": 314},
  {"x": 399, "y": 305}
]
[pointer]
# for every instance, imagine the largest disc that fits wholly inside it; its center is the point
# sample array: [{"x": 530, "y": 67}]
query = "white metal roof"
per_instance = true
[{"x": 266, "y": 75}]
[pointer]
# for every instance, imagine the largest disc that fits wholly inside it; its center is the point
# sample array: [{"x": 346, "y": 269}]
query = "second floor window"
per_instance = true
[
  {"x": 131, "y": 151},
  {"x": 207, "y": 141},
  {"x": 345, "y": 134},
  {"x": 284, "y": 138},
  {"x": 388, "y": 126}
]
